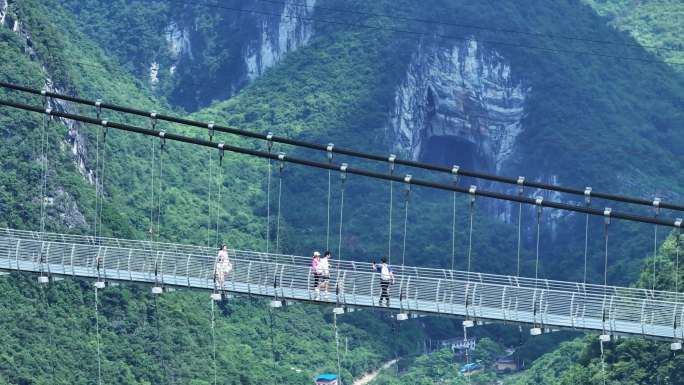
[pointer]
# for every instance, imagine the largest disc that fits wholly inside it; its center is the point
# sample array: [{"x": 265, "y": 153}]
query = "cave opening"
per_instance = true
[{"x": 450, "y": 150}]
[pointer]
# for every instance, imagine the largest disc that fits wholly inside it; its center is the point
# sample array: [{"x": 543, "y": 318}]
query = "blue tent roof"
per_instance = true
[{"x": 327, "y": 377}]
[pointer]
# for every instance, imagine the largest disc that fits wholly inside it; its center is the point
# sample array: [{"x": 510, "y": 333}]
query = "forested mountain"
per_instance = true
[{"x": 552, "y": 91}]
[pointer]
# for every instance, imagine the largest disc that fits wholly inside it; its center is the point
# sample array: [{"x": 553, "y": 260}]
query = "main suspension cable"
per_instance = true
[
  {"x": 350, "y": 170},
  {"x": 344, "y": 151}
]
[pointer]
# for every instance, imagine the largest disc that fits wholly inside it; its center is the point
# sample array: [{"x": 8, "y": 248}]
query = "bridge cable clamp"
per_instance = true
[
  {"x": 210, "y": 127},
  {"x": 407, "y": 180},
  {"x": 43, "y": 93},
  {"x": 162, "y": 135},
  {"x": 329, "y": 150},
  {"x": 587, "y": 195},
  {"x": 539, "y": 201},
  {"x": 153, "y": 118},
  {"x": 606, "y": 213},
  {"x": 454, "y": 171},
  {"x": 678, "y": 223},
  {"x": 656, "y": 205},
  {"x": 98, "y": 107},
  {"x": 391, "y": 160},
  {"x": 521, "y": 184},
  {"x": 281, "y": 158},
  {"x": 472, "y": 191},
  {"x": 269, "y": 141},
  {"x": 221, "y": 151},
  {"x": 343, "y": 171},
  {"x": 104, "y": 124}
]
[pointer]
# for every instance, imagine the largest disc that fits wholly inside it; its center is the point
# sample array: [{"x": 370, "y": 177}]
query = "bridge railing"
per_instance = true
[
  {"x": 351, "y": 283},
  {"x": 545, "y": 284}
]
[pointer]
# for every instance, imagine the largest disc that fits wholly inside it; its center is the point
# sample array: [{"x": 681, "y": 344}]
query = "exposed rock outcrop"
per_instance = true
[
  {"x": 255, "y": 42},
  {"x": 3, "y": 11},
  {"x": 292, "y": 31},
  {"x": 62, "y": 206},
  {"x": 460, "y": 105}
]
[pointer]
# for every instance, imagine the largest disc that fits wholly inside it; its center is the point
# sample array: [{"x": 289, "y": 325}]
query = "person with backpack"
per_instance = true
[
  {"x": 386, "y": 278},
  {"x": 316, "y": 272}
]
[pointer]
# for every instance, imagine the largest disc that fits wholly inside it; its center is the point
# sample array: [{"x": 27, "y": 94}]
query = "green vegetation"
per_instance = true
[
  {"x": 590, "y": 120},
  {"x": 657, "y": 25},
  {"x": 49, "y": 337},
  {"x": 628, "y": 360}
]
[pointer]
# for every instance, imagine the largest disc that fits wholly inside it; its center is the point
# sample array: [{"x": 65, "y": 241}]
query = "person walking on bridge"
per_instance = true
[
  {"x": 316, "y": 272},
  {"x": 223, "y": 266},
  {"x": 386, "y": 278},
  {"x": 324, "y": 268}
]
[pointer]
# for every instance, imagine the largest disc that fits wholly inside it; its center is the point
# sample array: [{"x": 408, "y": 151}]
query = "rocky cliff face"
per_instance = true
[
  {"x": 292, "y": 31},
  {"x": 61, "y": 206},
  {"x": 3, "y": 11},
  {"x": 246, "y": 45},
  {"x": 458, "y": 104}
]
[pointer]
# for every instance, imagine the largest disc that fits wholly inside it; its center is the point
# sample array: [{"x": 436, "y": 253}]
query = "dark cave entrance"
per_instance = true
[{"x": 449, "y": 151}]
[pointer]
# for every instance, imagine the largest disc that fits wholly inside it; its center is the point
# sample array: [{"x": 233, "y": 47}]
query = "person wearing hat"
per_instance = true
[{"x": 316, "y": 271}]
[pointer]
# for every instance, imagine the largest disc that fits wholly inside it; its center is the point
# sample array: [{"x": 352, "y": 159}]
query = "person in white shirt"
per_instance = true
[
  {"x": 386, "y": 277},
  {"x": 223, "y": 266},
  {"x": 324, "y": 269}
]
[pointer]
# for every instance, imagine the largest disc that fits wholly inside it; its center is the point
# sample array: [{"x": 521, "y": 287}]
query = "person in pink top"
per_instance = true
[
  {"x": 316, "y": 271},
  {"x": 223, "y": 266}
]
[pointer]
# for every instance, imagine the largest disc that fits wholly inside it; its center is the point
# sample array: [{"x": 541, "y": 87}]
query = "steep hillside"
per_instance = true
[
  {"x": 657, "y": 25},
  {"x": 628, "y": 360},
  {"x": 583, "y": 118},
  {"x": 54, "y": 341},
  {"x": 196, "y": 52},
  {"x": 49, "y": 337},
  {"x": 514, "y": 103}
]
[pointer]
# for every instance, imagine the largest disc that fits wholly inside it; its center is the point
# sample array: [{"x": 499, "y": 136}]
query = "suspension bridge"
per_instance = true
[
  {"x": 546, "y": 303},
  {"x": 541, "y": 303}
]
